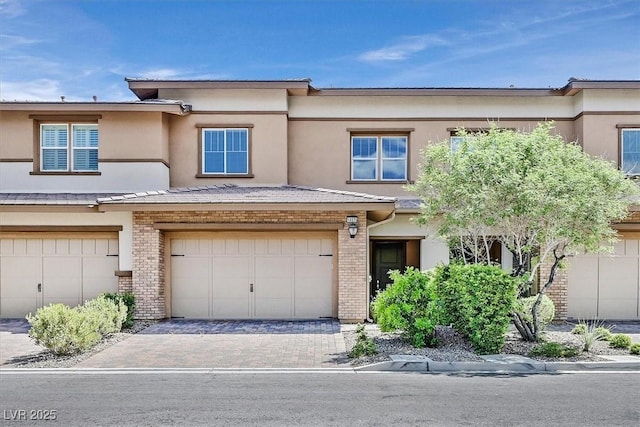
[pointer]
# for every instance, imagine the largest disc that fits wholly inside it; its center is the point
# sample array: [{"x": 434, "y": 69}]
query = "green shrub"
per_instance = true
[
  {"x": 546, "y": 310},
  {"x": 553, "y": 349},
  {"x": 634, "y": 349},
  {"x": 579, "y": 329},
  {"x": 604, "y": 332},
  {"x": 620, "y": 341},
  {"x": 106, "y": 315},
  {"x": 409, "y": 304},
  {"x": 364, "y": 345},
  {"x": 478, "y": 301},
  {"x": 62, "y": 329},
  {"x": 128, "y": 299}
]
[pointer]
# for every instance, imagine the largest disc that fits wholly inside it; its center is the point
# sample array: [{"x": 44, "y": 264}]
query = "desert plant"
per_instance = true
[
  {"x": 620, "y": 341},
  {"x": 545, "y": 310},
  {"x": 592, "y": 331},
  {"x": 634, "y": 349},
  {"x": 478, "y": 300},
  {"x": 604, "y": 332},
  {"x": 579, "y": 329},
  {"x": 364, "y": 345},
  {"x": 553, "y": 349},
  {"x": 105, "y": 314},
  {"x": 128, "y": 299},
  {"x": 62, "y": 329},
  {"x": 409, "y": 304}
]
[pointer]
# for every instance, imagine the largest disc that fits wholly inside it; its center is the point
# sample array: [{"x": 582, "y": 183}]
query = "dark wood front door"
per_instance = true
[{"x": 386, "y": 256}]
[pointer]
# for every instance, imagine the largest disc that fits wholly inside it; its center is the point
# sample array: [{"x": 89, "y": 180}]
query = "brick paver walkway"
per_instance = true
[{"x": 228, "y": 344}]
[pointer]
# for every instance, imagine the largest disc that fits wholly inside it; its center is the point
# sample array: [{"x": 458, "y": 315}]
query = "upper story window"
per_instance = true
[
  {"x": 225, "y": 151},
  {"x": 379, "y": 158},
  {"x": 68, "y": 147},
  {"x": 630, "y": 151}
]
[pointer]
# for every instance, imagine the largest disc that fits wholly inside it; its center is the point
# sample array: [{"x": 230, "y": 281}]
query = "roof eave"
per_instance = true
[{"x": 148, "y": 88}]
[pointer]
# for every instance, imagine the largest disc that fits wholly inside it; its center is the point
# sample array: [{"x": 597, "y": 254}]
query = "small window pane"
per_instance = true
[
  {"x": 214, "y": 162},
  {"x": 365, "y": 147},
  {"x": 85, "y": 160},
  {"x": 54, "y": 159},
  {"x": 394, "y": 169},
  {"x": 631, "y": 151},
  {"x": 394, "y": 148},
  {"x": 85, "y": 136},
  {"x": 54, "y": 136},
  {"x": 237, "y": 162},
  {"x": 364, "y": 169}
]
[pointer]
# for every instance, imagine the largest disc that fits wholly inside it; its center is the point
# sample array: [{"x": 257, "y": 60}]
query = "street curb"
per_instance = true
[{"x": 423, "y": 364}]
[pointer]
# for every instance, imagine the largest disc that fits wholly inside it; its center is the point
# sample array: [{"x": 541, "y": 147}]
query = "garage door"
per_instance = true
[
  {"x": 606, "y": 286},
  {"x": 37, "y": 272},
  {"x": 245, "y": 278}
]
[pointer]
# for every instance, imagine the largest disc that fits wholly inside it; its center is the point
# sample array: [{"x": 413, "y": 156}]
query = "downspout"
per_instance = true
[{"x": 369, "y": 227}]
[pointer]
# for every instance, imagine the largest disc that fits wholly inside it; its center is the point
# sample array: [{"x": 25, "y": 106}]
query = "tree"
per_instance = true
[{"x": 542, "y": 197}]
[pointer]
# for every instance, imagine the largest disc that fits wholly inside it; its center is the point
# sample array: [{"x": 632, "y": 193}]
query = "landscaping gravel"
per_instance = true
[{"x": 453, "y": 347}]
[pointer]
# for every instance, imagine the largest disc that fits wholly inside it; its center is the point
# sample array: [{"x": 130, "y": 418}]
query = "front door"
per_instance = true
[{"x": 386, "y": 256}]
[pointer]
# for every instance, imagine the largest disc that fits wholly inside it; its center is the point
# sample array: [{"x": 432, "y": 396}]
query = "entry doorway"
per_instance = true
[{"x": 387, "y": 255}]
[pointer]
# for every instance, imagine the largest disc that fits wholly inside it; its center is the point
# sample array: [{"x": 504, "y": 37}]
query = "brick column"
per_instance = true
[
  {"x": 148, "y": 268},
  {"x": 352, "y": 272},
  {"x": 558, "y": 290},
  {"x": 125, "y": 284}
]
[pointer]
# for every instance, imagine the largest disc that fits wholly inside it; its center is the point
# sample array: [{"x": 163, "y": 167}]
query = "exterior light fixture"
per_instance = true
[{"x": 352, "y": 222}]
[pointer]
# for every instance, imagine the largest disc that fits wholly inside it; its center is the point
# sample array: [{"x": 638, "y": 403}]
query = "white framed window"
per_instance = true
[
  {"x": 68, "y": 147},
  {"x": 630, "y": 151},
  {"x": 379, "y": 158},
  {"x": 225, "y": 151}
]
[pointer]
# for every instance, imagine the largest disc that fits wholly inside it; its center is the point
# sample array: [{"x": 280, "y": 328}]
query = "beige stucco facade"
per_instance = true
[{"x": 298, "y": 136}]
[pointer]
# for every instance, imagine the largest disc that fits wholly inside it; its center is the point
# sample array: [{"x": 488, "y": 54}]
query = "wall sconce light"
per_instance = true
[{"x": 352, "y": 222}]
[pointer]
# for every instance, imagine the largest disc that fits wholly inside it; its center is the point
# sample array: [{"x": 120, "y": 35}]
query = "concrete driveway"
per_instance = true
[
  {"x": 14, "y": 341},
  {"x": 227, "y": 344}
]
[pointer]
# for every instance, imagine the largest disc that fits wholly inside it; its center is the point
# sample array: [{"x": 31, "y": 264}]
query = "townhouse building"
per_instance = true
[{"x": 270, "y": 199}]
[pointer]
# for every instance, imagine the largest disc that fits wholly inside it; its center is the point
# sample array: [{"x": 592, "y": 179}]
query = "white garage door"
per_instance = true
[
  {"x": 37, "y": 272},
  {"x": 245, "y": 278},
  {"x": 606, "y": 286}
]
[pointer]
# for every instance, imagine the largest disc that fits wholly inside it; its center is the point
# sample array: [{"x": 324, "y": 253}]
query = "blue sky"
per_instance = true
[{"x": 81, "y": 48}]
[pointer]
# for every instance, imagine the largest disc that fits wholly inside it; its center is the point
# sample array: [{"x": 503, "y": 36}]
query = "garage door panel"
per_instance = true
[
  {"x": 98, "y": 276},
  {"x": 606, "y": 285},
  {"x": 231, "y": 280},
  {"x": 313, "y": 298},
  {"x": 190, "y": 287},
  {"x": 19, "y": 278},
  {"x": 62, "y": 280},
  {"x": 618, "y": 276},
  {"x": 583, "y": 287}
]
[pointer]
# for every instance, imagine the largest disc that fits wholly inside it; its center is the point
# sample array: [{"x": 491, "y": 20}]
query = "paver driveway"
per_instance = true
[{"x": 228, "y": 344}]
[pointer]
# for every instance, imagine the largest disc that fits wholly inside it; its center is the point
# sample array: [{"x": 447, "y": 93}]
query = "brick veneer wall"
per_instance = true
[
  {"x": 148, "y": 281},
  {"x": 125, "y": 284}
]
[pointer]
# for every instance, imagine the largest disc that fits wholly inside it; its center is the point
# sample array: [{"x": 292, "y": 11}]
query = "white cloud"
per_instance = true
[
  {"x": 403, "y": 49},
  {"x": 32, "y": 90},
  {"x": 9, "y": 42},
  {"x": 11, "y": 8},
  {"x": 161, "y": 73}
]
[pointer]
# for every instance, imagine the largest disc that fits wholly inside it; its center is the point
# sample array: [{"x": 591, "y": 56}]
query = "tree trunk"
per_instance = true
[{"x": 530, "y": 331}]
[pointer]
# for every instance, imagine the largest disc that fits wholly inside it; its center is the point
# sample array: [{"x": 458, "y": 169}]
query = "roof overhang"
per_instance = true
[
  {"x": 148, "y": 88},
  {"x": 171, "y": 107}
]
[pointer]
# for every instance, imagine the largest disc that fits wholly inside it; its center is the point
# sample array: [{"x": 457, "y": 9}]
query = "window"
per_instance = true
[
  {"x": 379, "y": 158},
  {"x": 456, "y": 142},
  {"x": 225, "y": 151},
  {"x": 630, "y": 151},
  {"x": 68, "y": 147}
]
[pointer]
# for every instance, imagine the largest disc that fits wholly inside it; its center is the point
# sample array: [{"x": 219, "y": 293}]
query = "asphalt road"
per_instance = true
[{"x": 319, "y": 399}]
